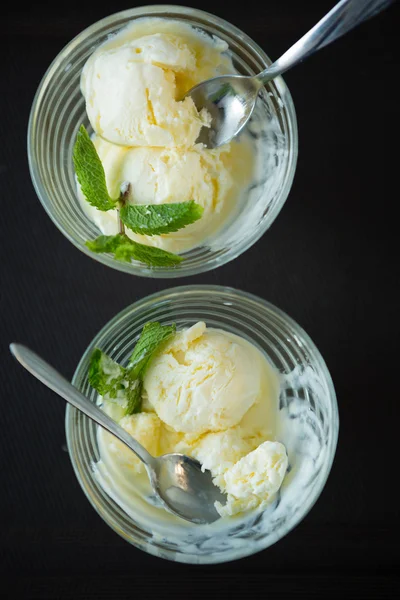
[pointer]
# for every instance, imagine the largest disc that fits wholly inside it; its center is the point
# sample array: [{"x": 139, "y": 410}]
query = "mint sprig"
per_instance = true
[
  {"x": 113, "y": 382},
  {"x": 146, "y": 219},
  {"x": 105, "y": 375},
  {"x": 134, "y": 398},
  {"x": 90, "y": 172},
  {"x": 125, "y": 249},
  {"x": 125, "y": 385},
  {"x": 157, "y": 219},
  {"x": 153, "y": 336}
]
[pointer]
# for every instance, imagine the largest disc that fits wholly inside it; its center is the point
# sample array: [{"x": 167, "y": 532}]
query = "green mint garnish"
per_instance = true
[
  {"x": 105, "y": 375},
  {"x": 90, "y": 172},
  {"x": 125, "y": 385},
  {"x": 153, "y": 336},
  {"x": 159, "y": 219},
  {"x": 146, "y": 219},
  {"x": 135, "y": 398},
  {"x": 125, "y": 249},
  {"x": 113, "y": 382}
]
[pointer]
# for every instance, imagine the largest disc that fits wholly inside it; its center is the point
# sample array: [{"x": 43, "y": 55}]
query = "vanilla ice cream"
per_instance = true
[
  {"x": 212, "y": 395},
  {"x": 145, "y": 428},
  {"x": 219, "y": 451},
  {"x": 145, "y": 133},
  {"x": 254, "y": 479},
  {"x": 205, "y": 380},
  {"x": 134, "y": 84},
  {"x": 130, "y": 94}
]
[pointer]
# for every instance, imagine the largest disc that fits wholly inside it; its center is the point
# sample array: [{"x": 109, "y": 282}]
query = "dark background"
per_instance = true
[{"x": 330, "y": 261}]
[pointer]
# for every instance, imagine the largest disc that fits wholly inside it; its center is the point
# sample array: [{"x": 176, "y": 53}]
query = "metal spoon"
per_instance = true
[
  {"x": 230, "y": 99},
  {"x": 178, "y": 481}
]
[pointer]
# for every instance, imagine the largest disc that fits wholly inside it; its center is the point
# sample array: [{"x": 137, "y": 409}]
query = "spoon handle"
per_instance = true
[
  {"x": 343, "y": 17},
  {"x": 56, "y": 382}
]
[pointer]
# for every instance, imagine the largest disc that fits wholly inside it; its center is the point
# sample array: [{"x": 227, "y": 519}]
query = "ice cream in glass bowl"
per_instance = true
[
  {"x": 237, "y": 385},
  {"x": 164, "y": 195}
]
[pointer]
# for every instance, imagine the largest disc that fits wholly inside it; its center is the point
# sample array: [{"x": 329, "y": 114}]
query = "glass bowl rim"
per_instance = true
[
  {"x": 143, "y": 270},
  {"x": 160, "y": 296}
]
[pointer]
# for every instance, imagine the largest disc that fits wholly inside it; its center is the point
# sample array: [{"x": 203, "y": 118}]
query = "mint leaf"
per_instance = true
[
  {"x": 142, "y": 219},
  {"x": 90, "y": 172},
  {"x": 153, "y": 336},
  {"x": 154, "y": 257},
  {"x": 125, "y": 385},
  {"x": 107, "y": 377},
  {"x": 125, "y": 249},
  {"x": 156, "y": 219},
  {"x": 106, "y": 243},
  {"x": 134, "y": 397},
  {"x": 115, "y": 383}
]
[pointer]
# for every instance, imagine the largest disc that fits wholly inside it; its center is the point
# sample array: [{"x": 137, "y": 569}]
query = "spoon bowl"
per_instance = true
[
  {"x": 185, "y": 489},
  {"x": 230, "y": 100}
]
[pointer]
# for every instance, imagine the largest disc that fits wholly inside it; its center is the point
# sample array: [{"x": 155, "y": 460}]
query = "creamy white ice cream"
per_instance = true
[
  {"x": 134, "y": 84},
  {"x": 254, "y": 479},
  {"x": 131, "y": 93},
  {"x": 212, "y": 395},
  {"x": 204, "y": 380},
  {"x": 145, "y": 134}
]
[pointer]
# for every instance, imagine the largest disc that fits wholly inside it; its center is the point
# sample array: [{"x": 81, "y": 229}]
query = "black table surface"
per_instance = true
[{"x": 329, "y": 261}]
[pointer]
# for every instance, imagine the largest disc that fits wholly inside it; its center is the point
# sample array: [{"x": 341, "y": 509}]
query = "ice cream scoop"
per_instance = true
[
  {"x": 254, "y": 479},
  {"x": 204, "y": 380},
  {"x": 133, "y": 86},
  {"x": 132, "y": 102},
  {"x": 177, "y": 480}
]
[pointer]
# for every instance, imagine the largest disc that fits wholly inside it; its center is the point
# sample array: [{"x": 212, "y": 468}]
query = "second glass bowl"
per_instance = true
[
  {"x": 307, "y": 399},
  {"x": 59, "y": 109}
]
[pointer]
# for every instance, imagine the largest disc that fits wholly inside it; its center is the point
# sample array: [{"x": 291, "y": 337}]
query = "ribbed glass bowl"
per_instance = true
[
  {"x": 59, "y": 109},
  {"x": 311, "y": 397}
]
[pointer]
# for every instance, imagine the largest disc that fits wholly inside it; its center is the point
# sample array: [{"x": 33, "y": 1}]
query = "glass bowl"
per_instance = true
[
  {"x": 307, "y": 399},
  {"x": 59, "y": 109}
]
